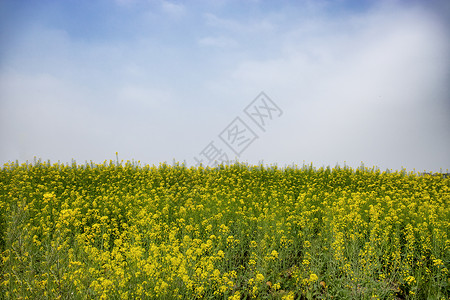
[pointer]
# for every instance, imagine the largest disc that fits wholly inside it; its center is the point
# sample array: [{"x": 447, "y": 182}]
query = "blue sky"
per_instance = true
[{"x": 156, "y": 80}]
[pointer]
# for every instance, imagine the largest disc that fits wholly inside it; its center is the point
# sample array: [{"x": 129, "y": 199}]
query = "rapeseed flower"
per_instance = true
[{"x": 117, "y": 230}]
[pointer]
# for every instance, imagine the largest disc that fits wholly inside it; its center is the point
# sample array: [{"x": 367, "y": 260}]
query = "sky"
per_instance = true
[{"x": 340, "y": 82}]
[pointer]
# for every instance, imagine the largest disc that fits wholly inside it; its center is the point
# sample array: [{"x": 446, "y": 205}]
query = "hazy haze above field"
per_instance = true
[{"x": 159, "y": 80}]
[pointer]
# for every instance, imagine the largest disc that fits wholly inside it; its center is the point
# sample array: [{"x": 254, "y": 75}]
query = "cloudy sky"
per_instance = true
[{"x": 344, "y": 81}]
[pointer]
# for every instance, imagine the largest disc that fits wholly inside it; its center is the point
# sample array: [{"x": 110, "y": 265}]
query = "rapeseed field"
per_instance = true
[{"x": 124, "y": 231}]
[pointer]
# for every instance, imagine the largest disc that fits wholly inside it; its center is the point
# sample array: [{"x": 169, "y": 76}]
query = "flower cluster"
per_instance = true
[{"x": 124, "y": 231}]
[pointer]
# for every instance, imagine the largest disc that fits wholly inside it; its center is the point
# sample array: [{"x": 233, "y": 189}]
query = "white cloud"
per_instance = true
[
  {"x": 359, "y": 87},
  {"x": 44, "y": 116},
  {"x": 360, "y": 98},
  {"x": 139, "y": 97}
]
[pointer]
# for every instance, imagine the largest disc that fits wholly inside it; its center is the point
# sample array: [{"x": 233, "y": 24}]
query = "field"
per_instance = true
[{"x": 123, "y": 231}]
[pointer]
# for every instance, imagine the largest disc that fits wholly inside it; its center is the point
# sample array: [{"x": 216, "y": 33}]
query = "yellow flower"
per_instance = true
[
  {"x": 259, "y": 277},
  {"x": 410, "y": 280},
  {"x": 313, "y": 277},
  {"x": 216, "y": 273},
  {"x": 236, "y": 296},
  {"x": 438, "y": 262},
  {"x": 289, "y": 296}
]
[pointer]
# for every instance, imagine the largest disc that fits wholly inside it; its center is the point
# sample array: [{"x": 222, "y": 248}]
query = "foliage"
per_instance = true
[{"x": 123, "y": 231}]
